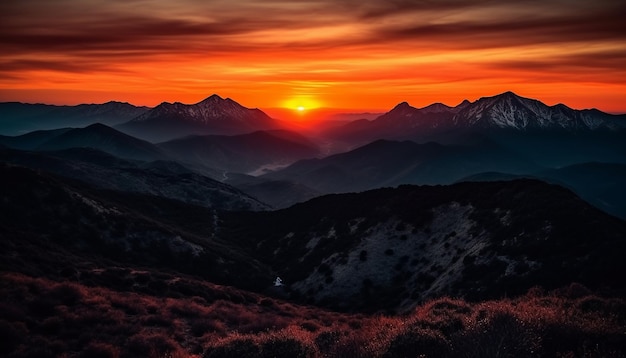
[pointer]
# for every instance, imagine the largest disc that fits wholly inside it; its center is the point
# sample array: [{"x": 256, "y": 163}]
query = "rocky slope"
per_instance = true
[{"x": 392, "y": 248}]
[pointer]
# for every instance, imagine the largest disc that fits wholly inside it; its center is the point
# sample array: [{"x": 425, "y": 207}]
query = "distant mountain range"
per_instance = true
[
  {"x": 505, "y": 134},
  {"x": 20, "y": 118},
  {"x": 214, "y": 154},
  {"x": 213, "y": 115},
  {"x": 390, "y": 163},
  {"x": 242, "y": 153},
  {"x": 506, "y": 111}
]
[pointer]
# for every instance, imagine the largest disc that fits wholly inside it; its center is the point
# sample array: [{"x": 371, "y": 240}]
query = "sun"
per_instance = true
[{"x": 301, "y": 104}]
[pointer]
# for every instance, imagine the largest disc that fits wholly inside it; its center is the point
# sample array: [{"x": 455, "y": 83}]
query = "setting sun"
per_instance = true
[{"x": 301, "y": 103}]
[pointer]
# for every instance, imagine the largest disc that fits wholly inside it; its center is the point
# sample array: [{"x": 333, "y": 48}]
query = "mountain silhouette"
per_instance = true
[{"x": 213, "y": 115}]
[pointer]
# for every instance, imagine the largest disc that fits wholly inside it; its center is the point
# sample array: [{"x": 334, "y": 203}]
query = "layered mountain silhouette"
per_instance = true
[
  {"x": 213, "y": 115},
  {"x": 506, "y": 111},
  {"x": 242, "y": 153},
  {"x": 157, "y": 178},
  {"x": 20, "y": 118},
  {"x": 96, "y": 136},
  {"x": 390, "y": 163},
  {"x": 600, "y": 184}
]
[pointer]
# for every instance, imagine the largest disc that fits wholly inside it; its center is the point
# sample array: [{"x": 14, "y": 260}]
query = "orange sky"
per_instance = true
[{"x": 348, "y": 54}]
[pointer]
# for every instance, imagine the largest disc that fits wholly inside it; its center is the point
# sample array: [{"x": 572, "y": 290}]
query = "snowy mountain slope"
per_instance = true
[
  {"x": 213, "y": 115},
  {"x": 506, "y": 111}
]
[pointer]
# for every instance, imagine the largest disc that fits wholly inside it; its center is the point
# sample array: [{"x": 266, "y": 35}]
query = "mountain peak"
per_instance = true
[
  {"x": 437, "y": 107},
  {"x": 402, "y": 105},
  {"x": 507, "y": 94},
  {"x": 214, "y": 98},
  {"x": 213, "y": 115}
]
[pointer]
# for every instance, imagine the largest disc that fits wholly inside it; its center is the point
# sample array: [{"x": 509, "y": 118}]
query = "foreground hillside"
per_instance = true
[{"x": 115, "y": 313}]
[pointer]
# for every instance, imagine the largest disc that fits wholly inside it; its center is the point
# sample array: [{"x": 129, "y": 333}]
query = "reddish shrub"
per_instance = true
[
  {"x": 200, "y": 327},
  {"x": 310, "y": 326},
  {"x": 236, "y": 348},
  {"x": 151, "y": 345},
  {"x": 284, "y": 346},
  {"x": 500, "y": 334},
  {"x": 326, "y": 341},
  {"x": 100, "y": 350},
  {"x": 419, "y": 343},
  {"x": 576, "y": 290},
  {"x": 67, "y": 294}
]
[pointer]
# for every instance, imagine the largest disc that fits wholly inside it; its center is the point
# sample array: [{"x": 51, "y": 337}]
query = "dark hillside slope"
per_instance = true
[
  {"x": 43, "y": 217},
  {"x": 391, "y": 248},
  {"x": 391, "y": 163},
  {"x": 159, "y": 178},
  {"x": 106, "y": 139}
]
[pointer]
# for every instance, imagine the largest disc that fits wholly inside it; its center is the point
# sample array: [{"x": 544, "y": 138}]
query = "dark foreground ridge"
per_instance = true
[{"x": 391, "y": 248}]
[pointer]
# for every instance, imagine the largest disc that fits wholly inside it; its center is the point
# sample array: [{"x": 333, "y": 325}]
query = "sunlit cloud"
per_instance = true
[{"x": 349, "y": 53}]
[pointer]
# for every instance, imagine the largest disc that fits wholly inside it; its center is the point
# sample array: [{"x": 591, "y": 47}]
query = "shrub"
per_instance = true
[
  {"x": 235, "y": 348},
  {"x": 281, "y": 346},
  {"x": 67, "y": 294},
  {"x": 327, "y": 340},
  {"x": 310, "y": 326},
  {"x": 100, "y": 350},
  {"x": 418, "y": 343},
  {"x": 151, "y": 345},
  {"x": 500, "y": 334}
]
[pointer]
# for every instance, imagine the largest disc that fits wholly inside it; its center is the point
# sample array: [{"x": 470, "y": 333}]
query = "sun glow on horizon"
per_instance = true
[
  {"x": 301, "y": 104},
  {"x": 375, "y": 56}
]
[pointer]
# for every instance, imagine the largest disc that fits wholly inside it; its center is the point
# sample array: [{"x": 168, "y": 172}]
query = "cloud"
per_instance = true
[
  {"x": 341, "y": 42},
  {"x": 451, "y": 24}
]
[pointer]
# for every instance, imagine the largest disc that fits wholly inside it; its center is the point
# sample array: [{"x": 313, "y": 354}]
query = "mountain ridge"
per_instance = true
[
  {"x": 505, "y": 111},
  {"x": 19, "y": 118},
  {"x": 213, "y": 115},
  {"x": 413, "y": 243}
]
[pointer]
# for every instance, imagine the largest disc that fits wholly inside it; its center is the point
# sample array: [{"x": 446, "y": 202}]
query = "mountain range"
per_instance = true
[
  {"x": 213, "y": 115},
  {"x": 242, "y": 153},
  {"x": 20, "y": 118},
  {"x": 390, "y": 163},
  {"x": 437, "y": 144},
  {"x": 211, "y": 230},
  {"x": 506, "y": 111}
]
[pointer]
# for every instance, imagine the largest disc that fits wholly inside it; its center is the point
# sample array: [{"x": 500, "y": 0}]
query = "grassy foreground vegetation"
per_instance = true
[{"x": 40, "y": 317}]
